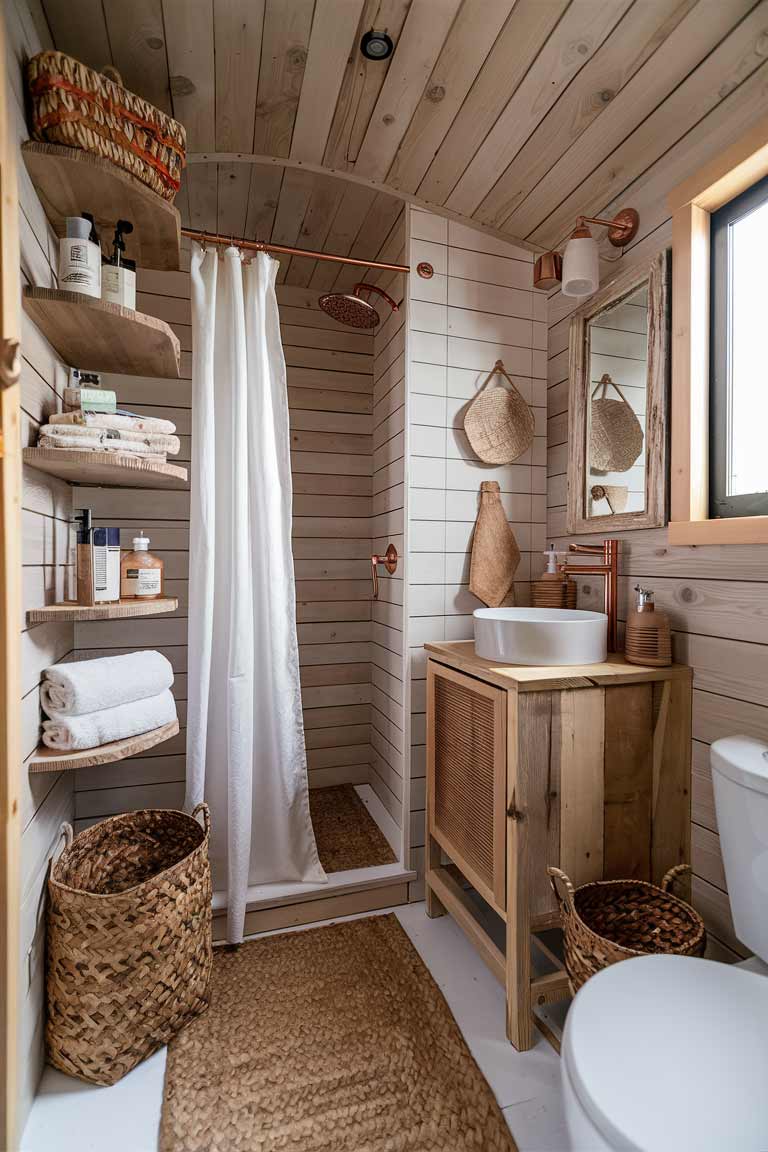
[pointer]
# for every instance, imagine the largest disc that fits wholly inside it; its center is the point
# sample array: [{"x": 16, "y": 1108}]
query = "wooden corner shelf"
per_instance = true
[
  {"x": 104, "y": 469},
  {"x": 68, "y": 180},
  {"x": 103, "y": 337},
  {"x": 51, "y": 760},
  {"x": 69, "y": 611}
]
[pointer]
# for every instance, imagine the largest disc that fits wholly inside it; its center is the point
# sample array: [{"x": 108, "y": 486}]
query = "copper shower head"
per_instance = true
[{"x": 349, "y": 307}]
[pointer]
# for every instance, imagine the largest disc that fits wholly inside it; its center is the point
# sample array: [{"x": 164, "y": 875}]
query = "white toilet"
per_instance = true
[{"x": 670, "y": 1053}]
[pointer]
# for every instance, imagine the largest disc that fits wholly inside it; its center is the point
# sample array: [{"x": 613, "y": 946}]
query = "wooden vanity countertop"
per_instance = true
[{"x": 460, "y": 654}]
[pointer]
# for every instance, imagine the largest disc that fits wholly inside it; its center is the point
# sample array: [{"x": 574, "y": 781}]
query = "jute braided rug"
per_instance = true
[
  {"x": 347, "y": 835},
  {"x": 335, "y": 1039}
]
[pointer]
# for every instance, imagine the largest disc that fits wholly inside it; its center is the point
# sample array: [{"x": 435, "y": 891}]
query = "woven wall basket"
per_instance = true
[
  {"x": 612, "y": 920},
  {"x": 615, "y": 433},
  {"x": 129, "y": 948},
  {"x": 73, "y": 105},
  {"x": 498, "y": 423}
]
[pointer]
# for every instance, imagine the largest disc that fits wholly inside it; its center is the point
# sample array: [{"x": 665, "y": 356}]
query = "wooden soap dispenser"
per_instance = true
[
  {"x": 553, "y": 589},
  {"x": 648, "y": 639}
]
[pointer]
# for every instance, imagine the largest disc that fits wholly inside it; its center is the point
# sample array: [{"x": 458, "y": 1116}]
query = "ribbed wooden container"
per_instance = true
[
  {"x": 129, "y": 950},
  {"x": 648, "y": 639},
  {"x": 612, "y": 920},
  {"x": 547, "y": 593},
  {"x": 73, "y": 105}
]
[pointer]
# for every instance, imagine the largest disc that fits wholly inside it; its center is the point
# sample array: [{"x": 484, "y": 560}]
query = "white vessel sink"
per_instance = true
[{"x": 559, "y": 636}]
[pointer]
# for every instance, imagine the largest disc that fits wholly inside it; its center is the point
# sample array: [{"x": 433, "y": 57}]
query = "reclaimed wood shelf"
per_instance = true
[
  {"x": 69, "y": 611},
  {"x": 68, "y": 180},
  {"x": 104, "y": 469},
  {"x": 103, "y": 337},
  {"x": 51, "y": 760}
]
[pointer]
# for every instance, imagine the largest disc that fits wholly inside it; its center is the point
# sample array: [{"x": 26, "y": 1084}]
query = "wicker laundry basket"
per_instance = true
[
  {"x": 129, "y": 950},
  {"x": 75, "y": 106},
  {"x": 612, "y": 920}
]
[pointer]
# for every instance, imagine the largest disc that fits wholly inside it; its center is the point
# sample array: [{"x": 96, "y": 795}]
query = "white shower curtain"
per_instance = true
[{"x": 245, "y": 736}]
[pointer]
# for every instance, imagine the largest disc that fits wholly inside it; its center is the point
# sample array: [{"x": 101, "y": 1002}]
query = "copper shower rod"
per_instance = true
[{"x": 285, "y": 250}]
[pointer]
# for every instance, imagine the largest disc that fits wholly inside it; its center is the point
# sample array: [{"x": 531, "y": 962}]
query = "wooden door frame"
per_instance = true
[{"x": 10, "y": 611}]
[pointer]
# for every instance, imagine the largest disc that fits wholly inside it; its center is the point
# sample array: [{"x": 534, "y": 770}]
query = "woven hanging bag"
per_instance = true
[
  {"x": 129, "y": 950},
  {"x": 615, "y": 433},
  {"x": 498, "y": 423},
  {"x": 75, "y": 106},
  {"x": 612, "y": 920}
]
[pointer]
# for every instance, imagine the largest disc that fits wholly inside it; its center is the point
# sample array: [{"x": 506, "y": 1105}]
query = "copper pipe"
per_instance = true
[
  {"x": 609, "y": 550},
  {"x": 621, "y": 225},
  {"x": 285, "y": 250}
]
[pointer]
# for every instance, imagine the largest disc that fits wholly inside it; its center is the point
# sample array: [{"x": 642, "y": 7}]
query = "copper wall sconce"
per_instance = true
[{"x": 622, "y": 229}]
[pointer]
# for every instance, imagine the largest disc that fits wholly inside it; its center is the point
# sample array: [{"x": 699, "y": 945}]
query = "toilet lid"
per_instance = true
[{"x": 668, "y": 1053}]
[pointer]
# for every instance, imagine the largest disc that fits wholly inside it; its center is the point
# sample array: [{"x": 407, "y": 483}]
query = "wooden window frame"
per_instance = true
[{"x": 692, "y": 204}]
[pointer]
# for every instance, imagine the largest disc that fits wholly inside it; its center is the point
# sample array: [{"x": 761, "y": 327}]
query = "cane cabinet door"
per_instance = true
[{"x": 466, "y": 777}]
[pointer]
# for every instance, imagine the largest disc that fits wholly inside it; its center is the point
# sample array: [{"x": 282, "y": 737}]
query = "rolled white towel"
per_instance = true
[
  {"x": 74, "y": 733},
  {"x": 82, "y": 686}
]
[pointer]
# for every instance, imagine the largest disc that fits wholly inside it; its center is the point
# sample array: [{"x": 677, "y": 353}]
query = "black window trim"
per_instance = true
[{"x": 721, "y": 505}]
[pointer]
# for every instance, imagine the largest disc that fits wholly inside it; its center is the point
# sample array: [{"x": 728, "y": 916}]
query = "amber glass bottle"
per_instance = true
[{"x": 141, "y": 573}]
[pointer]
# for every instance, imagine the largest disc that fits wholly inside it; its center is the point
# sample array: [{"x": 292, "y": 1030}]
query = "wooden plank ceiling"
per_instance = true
[{"x": 515, "y": 115}]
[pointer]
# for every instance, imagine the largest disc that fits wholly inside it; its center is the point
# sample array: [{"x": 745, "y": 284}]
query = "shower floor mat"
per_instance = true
[
  {"x": 347, "y": 835},
  {"x": 336, "y": 1039}
]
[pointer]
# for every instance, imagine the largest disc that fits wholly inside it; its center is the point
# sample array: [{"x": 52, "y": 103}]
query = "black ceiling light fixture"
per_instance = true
[{"x": 376, "y": 45}]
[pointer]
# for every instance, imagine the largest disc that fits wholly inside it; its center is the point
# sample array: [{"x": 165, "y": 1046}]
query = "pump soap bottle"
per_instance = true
[
  {"x": 86, "y": 590},
  {"x": 648, "y": 637},
  {"x": 141, "y": 573},
  {"x": 118, "y": 275},
  {"x": 553, "y": 589}
]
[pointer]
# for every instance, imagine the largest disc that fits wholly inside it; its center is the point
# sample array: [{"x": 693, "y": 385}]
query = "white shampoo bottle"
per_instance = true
[{"x": 79, "y": 259}]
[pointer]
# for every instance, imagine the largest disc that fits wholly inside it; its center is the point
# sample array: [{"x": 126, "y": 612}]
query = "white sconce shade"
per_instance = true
[{"x": 581, "y": 265}]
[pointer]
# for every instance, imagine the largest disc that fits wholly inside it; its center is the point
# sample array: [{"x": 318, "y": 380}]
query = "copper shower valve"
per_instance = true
[{"x": 389, "y": 560}]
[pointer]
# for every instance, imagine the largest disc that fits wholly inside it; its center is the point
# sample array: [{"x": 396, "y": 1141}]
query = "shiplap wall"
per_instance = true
[
  {"x": 716, "y": 596},
  {"x": 388, "y": 727},
  {"x": 46, "y": 799},
  {"x": 156, "y": 778},
  {"x": 330, "y": 386},
  {"x": 330, "y": 399},
  {"x": 479, "y": 307}
]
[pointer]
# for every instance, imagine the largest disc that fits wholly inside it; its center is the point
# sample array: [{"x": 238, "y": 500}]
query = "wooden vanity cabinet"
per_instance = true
[{"x": 584, "y": 768}]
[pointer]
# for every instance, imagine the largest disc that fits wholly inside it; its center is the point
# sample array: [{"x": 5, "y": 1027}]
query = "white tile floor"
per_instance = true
[{"x": 69, "y": 1116}]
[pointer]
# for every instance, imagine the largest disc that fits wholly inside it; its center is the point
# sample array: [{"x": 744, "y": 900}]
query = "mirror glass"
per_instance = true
[{"x": 617, "y": 359}]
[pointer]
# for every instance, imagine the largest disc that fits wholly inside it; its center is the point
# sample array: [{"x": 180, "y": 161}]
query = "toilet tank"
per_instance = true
[{"x": 740, "y": 778}]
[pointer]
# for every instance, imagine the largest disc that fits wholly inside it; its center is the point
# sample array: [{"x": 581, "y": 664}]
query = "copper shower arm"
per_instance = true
[{"x": 375, "y": 288}]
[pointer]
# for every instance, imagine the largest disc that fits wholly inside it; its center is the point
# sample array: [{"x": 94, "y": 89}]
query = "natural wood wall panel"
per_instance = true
[{"x": 714, "y": 595}]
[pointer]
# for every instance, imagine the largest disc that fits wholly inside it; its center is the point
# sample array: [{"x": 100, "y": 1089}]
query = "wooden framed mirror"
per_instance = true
[{"x": 618, "y": 404}]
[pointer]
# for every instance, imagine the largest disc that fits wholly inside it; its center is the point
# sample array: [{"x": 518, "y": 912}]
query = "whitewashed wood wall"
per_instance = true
[
  {"x": 46, "y": 800},
  {"x": 480, "y": 306},
  {"x": 716, "y": 596},
  {"x": 388, "y": 728}
]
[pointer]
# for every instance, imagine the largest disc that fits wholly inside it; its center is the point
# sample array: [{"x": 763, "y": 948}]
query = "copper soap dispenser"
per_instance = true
[{"x": 648, "y": 637}]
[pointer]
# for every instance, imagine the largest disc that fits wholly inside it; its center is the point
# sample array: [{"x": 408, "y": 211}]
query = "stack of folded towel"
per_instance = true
[
  {"x": 144, "y": 436},
  {"x": 93, "y": 702}
]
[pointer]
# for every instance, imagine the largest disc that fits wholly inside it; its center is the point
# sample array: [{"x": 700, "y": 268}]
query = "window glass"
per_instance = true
[{"x": 739, "y": 361}]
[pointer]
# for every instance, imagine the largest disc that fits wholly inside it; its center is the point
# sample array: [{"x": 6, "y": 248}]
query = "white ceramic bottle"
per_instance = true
[{"x": 79, "y": 259}]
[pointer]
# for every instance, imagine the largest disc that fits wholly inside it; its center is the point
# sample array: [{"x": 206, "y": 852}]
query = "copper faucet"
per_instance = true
[{"x": 609, "y": 550}]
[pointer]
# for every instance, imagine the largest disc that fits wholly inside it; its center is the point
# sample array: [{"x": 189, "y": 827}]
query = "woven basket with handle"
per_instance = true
[
  {"x": 612, "y": 920},
  {"x": 73, "y": 105},
  {"x": 615, "y": 433},
  {"x": 129, "y": 949},
  {"x": 498, "y": 423}
]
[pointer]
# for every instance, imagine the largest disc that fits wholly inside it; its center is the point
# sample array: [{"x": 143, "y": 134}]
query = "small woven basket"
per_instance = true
[
  {"x": 498, "y": 423},
  {"x": 615, "y": 433},
  {"x": 73, "y": 105},
  {"x": 612, "y": 920},
  {"x": 129, "y": 949}
]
